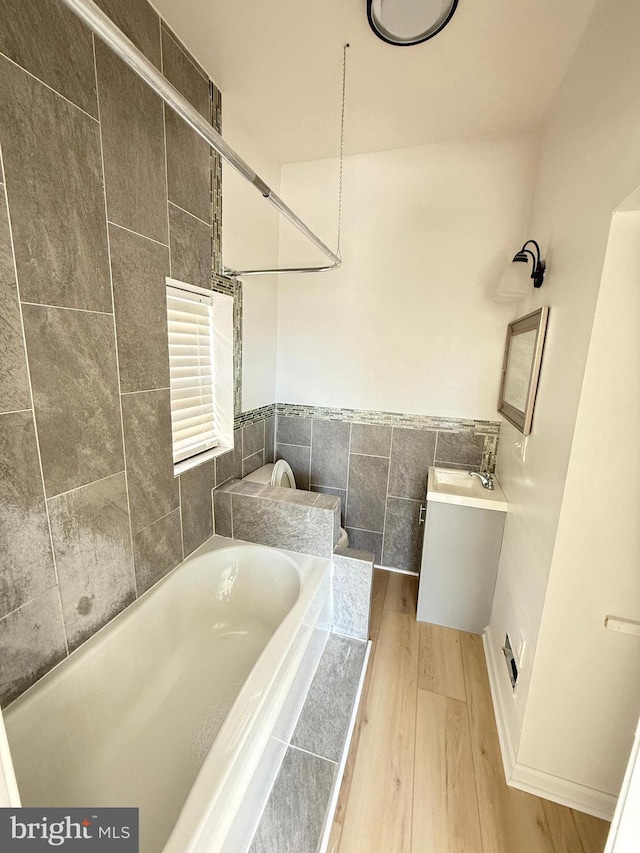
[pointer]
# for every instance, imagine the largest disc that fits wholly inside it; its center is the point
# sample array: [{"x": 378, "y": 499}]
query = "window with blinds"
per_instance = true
[{"x": 191, "y": 358}]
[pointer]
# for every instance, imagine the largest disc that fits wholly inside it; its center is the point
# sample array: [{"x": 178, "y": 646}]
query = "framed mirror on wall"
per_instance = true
[{"x": 521, "y": 368}]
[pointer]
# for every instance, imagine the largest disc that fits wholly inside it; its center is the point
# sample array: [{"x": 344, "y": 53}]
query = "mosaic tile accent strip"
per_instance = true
[
  {"x": 295, "y": 410},
  {"x": 233, "y": 287},
  {"x": 254, "y": 415},
  {"x": 216, "y": 182},
  {"x": 224, "y": 284},
  {"x": 237, "y": 349}
]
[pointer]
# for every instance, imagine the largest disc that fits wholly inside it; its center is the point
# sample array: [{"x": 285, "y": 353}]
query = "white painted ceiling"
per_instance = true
[{"x": 493, "y": 70}]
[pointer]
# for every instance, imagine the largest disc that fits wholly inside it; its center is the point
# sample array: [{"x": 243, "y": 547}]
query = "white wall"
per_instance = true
[
  {"x": 407, "y": 324},
  {"x": 596, "y": 560},
  {"x": 589, "y": 163},
  {"x": 250, "y": 240}
]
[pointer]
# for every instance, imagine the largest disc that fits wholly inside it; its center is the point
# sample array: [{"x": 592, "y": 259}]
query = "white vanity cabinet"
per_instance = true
[{"x": 462, "y": 540}]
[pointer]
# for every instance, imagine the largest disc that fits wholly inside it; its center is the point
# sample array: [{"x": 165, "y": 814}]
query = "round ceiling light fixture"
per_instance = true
[{"x": 407, "y": 22}]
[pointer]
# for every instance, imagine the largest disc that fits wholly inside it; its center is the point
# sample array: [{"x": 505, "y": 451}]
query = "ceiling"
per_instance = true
[{"x": 493, "y": 70}]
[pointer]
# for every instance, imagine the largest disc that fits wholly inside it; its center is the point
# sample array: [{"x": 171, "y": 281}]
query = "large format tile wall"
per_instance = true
[
  {"x": 377, "y": 464},
  {"x": 103, "y": 193}
]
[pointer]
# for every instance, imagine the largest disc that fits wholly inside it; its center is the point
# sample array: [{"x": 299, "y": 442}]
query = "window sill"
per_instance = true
[{"x": 200, "y": 459}]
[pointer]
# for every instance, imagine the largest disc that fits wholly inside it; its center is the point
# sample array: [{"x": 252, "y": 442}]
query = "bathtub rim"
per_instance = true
[
  {"x": 115, "y": 624},
  {"x": 195, "y": 814}
]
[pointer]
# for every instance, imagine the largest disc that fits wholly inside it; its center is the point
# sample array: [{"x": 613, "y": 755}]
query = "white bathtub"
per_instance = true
[{"x": 179, "y": 706}]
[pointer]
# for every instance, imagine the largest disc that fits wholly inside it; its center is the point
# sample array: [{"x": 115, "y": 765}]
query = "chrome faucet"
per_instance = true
[{"x": 485, "y": 479}]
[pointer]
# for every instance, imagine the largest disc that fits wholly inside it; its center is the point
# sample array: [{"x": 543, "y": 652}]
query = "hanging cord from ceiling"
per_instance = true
[{"x": 341, "y": 173}]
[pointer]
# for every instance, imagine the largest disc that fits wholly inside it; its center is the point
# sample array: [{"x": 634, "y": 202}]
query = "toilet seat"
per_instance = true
[{"x": 282, "y": 475}]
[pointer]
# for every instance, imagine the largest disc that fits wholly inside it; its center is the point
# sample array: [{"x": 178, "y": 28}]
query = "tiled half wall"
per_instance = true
[
  {"x": 377, "y": 464},
  {"x": 103, "y": 193}
]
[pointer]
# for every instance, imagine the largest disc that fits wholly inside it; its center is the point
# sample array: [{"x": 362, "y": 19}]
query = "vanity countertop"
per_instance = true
[{"x": 453, "y": 486}]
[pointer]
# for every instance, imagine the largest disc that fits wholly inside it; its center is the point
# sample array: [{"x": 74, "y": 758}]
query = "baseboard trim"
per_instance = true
[{"x": 563, "y": 791}]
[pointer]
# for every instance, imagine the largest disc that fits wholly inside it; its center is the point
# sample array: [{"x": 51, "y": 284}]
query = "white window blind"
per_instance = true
[{"x": 191, "y": 358}]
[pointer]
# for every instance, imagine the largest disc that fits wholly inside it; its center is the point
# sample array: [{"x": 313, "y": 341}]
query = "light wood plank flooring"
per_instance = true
[{"x": 424, "y": 773}]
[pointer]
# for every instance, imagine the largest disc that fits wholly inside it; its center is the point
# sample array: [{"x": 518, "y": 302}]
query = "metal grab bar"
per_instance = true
[{"x": 90, "y": 14}]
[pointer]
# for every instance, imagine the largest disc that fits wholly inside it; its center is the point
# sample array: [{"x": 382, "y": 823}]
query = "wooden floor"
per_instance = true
[{"x": 424, "y": 774}]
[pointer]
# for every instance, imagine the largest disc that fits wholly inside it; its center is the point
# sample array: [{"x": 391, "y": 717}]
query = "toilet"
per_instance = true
[{"x": 280, "y": 474}]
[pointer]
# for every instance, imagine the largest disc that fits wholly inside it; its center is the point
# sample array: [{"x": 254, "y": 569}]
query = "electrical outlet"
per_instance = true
[{"x": 521, "y": 448}]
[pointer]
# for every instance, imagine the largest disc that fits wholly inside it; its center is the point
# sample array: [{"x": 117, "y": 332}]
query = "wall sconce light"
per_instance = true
[{"x": 516, "y": 280}]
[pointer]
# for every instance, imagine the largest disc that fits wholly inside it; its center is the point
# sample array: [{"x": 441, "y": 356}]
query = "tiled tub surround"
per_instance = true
[
  {"x": 298, "y": 812},
  {"x": 352, "y": 589},
  {"x": 377, "y": 464},
  {"x": 282, "y": 518},
  {"x": 103, "y": 193}
]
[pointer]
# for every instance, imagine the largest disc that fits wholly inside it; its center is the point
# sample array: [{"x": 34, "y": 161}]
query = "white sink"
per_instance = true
[{"x": 451, "y": 486}]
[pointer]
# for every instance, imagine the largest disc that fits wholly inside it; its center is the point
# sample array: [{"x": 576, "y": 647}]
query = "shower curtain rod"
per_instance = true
[{"x": 114, "y": 38}]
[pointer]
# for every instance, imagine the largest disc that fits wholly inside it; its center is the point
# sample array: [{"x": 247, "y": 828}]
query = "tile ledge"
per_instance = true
[{"x": 354, "y": 554}]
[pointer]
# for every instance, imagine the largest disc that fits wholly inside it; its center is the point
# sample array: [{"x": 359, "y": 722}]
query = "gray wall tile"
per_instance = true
[
  {"x": 330, "y": 453},
  {"x": 460, "y": 448},
  {"x": 363, "y": 540},
  {"x": 53, "y": 174},
  {"x": 31, "y": 643},
  {"x": 338, "y": 493},
  {"x": 167, "y": 31},
  {"x": 299, "y": 458},
  {"x": 132, "y": 129},
  {"x": 72, "y": 361},
  {"x": 324, "y": 721},
  {"x": 27, "y": 562},
  {"x": 188, "y": 158},
  {"x": 293, "y": 430},
  {"x": 403, "y": 535},
  {"x": 371, "y": 439},
  {"x": 275, "y": 493},
  {"x": 367, "y": 492},
  {"x": 196, "y": 486},
  {"x": 139, "y": 267},
  {"x": 269, "y": 439},
  {"x": 281, "y": 524},
  {"x": 40, "y": 37},
  {"x": 252, "y": 438},
  {"x": 139, "y": 22},
  {"x": 222, "y": 513},
  {"x": 153, "y": 489},
  {"x": 412, "y": 451},
  {"x": 92, "y": 543},
  {"x": 190, "y": 241},
  {"x": 230, "y": 464},
  {"x": 252, "y": 463},
  {"x": 326, "y": 501},
  {"x": 293, "y": 818},
  {"x": 14, "y": 385},
  {"x": 52, "y": 153},
  {"x": 156, "y": 550},
  {"x": 352, "y": 580}
]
